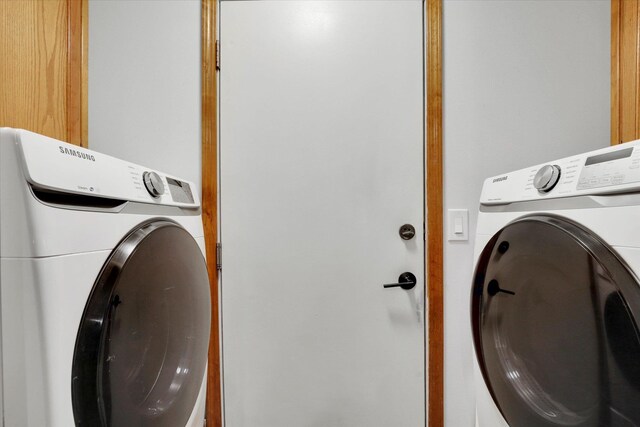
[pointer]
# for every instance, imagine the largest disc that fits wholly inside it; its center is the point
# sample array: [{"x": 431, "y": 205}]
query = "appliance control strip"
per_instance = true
[{"x": 58, "y": 166}]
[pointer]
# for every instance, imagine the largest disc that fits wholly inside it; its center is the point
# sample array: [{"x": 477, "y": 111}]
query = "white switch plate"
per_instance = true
[{"x": 458, "y": 224}]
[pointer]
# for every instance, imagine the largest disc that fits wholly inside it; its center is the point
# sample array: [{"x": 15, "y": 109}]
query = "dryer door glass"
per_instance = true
[
  {"x": 555, "y": 322},
  {"x": 141, "y": 350}
]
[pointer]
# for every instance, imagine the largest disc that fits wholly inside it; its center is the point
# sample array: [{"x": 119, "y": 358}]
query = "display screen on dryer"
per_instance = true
[
  {"x": 612, "y": 168},
  {"x": 606, "y": 157},
  {"x": 180, "y": 191}
]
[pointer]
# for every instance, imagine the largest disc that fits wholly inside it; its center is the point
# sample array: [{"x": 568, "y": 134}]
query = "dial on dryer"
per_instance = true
[
  {"x": 546, "y": 178},
  {"x": 153, "y": 183}
]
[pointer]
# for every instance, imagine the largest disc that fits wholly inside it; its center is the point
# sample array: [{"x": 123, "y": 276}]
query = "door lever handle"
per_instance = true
[{"x": 406, "y": 281}]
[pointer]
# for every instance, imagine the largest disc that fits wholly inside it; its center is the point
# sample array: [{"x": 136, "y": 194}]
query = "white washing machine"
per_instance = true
[
  {"x": 105, "y": 301},
  {"x": 555, "y": 303}
]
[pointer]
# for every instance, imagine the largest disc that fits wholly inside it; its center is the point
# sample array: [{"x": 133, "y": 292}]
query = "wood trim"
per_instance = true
[
  {"x": 625, "y": 70},
  {"x": 210, "y": 201},
  {"x": 434, "y": 250},
  {"x": 615, "y": 72},
  {"x": 435, "y": 406},
  {"x": 76, "y": 95},
  {"x": 84, "y": 120},
  {"x": 636, "y": 106}
]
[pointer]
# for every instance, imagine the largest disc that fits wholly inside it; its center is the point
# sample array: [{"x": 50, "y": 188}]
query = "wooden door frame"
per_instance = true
[
  {"x": 77, "y": 72},
  {"x": 434, "y": 207},
  {"x": 625, "y": 101},
  {"x": 209, "y": 117},
  {"x": 615, "y": 72}
]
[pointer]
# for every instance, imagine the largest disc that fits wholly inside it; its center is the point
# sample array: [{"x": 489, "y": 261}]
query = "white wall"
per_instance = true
[
  {"x": 524, "y": 82},
  {"x": 144, "y": 83}
]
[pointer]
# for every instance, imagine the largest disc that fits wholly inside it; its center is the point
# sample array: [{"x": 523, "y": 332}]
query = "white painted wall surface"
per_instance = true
[
  {"x": 524, "y": 82},
  {"x": 144, "y": 83}
]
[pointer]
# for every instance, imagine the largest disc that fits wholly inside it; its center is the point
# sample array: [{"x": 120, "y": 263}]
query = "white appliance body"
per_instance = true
[
  {"x": 556, "y": 381},
  {"x": 64, "y": 212}
]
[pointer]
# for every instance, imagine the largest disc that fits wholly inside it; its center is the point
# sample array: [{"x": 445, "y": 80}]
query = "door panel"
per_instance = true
[
  {"x": 141, "y": 350},
  {"x": 321, "y": 162}
]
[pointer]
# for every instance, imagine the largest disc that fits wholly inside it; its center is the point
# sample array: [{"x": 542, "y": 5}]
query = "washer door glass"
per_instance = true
[
  {"x": 141, "y": 350},
  {"x": 555, "y": 324}
]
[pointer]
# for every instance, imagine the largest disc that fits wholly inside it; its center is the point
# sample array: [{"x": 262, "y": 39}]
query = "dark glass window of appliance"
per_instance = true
[
  {"x": 141, "y": 349},
  {"x": 555, "y": 325}
]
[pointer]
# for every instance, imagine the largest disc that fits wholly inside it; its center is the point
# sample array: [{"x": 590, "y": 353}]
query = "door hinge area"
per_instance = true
[
  {"x": 217, "y": 54},
  {"x": 218, "y": 256}
]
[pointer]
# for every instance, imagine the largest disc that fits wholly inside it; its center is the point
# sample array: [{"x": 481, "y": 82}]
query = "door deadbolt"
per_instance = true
[{"x": 407, "y": 232}]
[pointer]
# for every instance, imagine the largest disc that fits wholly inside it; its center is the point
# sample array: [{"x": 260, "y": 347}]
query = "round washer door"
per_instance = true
[
  {"x": 141, "y": 350},
  {"x": 555, "y": 324}
]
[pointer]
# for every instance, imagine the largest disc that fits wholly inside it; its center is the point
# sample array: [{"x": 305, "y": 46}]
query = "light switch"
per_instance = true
[{"x": 458, "y": 224}]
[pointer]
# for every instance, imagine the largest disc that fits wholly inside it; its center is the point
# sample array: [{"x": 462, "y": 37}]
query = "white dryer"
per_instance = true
[
  {"x": 105, "y": 301},
  {"x": 555, "y": 304}
]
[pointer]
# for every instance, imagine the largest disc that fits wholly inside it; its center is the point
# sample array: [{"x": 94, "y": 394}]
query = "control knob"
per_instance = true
[
  {"x": 154, "y": 184},
  {"x": 546, "y": 178}
]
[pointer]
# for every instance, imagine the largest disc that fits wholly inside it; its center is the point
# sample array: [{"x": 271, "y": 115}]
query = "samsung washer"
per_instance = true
[
  {"x": 105, "y": 300},
  {"x": 555, "y": 300}
]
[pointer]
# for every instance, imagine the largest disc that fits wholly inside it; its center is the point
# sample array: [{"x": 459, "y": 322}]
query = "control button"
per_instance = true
[
  {"x": 154, "y": 184},
  {"x": 546, "y": 178}
]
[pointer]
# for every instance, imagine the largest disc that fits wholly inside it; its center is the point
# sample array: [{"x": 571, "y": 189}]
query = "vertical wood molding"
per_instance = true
[
  {"x": 625, "y": 70},
  {"x": 209, "y": 201},
  {"x": 76, "y": 72},
  {"x": 84, "y": 120},
  {"x": 434, "y": 191},
  {"x": 636, "y": 109},
  {"x": 615, "y": 72}
]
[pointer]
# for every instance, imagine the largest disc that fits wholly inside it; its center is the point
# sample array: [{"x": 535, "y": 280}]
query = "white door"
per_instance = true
[{"x": 321, "y": 163}]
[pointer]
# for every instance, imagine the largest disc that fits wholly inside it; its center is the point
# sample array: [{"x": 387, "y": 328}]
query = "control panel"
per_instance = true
[
  {"x": 609, "y": 170},
  {"x": 618, "y": 167},
  {"x": 58, "y": 166}
]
